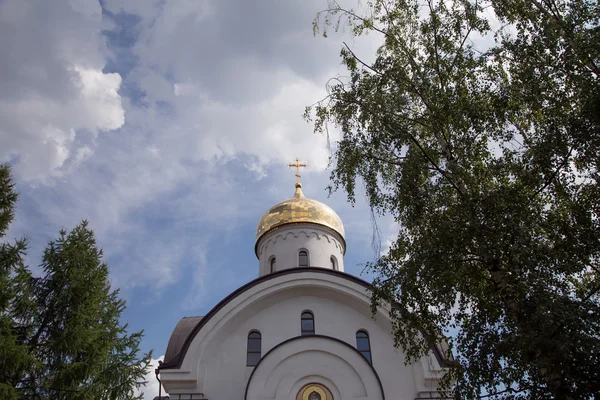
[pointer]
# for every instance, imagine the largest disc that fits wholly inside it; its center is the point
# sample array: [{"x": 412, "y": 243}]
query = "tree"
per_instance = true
[
  {"x": 13, "y": 352},
  {"x": 65, "y": 324},
  {"x": 487, "y": 157}
]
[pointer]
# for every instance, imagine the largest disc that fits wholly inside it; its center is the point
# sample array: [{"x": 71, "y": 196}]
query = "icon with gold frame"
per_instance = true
[{"x": 314, "y": 391}]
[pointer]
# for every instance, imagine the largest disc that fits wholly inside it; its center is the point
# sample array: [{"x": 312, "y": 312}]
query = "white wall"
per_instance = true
[
  {"x": 286, "y": 242},
  {"x": 215, "y": 363}
]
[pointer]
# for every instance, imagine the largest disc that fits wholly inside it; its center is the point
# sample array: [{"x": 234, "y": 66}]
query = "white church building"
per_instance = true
[{"x": 302, "y": 330}]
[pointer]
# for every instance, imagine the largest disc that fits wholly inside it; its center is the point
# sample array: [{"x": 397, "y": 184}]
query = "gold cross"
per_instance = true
[{"x": 298, "y": 166}]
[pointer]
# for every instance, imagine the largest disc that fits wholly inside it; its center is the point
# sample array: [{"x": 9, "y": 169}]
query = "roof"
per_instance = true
[
  {"x": 299, "y": 209},
  {"x": 180, "y": 334}
]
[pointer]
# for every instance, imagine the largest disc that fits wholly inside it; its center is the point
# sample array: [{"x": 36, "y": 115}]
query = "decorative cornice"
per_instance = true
[
  {"x": 273, "y": 239},
  {"x": 340, "y": 238}
]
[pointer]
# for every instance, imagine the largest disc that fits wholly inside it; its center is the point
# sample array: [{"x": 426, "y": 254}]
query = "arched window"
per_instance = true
[
  {"x": 332, "y": 263},
  {"x": 307, "y": 323},
  {"x": 363, "y": 345},
  {"x": 254, "y": 348},
  {"x": 303, "y": 258},
  {"x": 273, "y": 262}
]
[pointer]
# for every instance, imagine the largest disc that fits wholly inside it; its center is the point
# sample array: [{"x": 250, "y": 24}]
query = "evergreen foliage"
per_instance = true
[
  {"x": 488, "y": 157},
  {"x": 61, "y": 335}
]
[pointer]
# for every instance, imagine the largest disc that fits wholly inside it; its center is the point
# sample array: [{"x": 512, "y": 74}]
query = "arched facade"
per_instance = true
[
  {"x": 325, "y": 361},
  {"x": 212, "y": 359}
]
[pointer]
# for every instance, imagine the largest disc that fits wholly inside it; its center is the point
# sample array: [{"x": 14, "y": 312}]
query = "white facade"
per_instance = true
[
  {"x": 322, "y": 245},
  {"x": 209, "y": 357}
]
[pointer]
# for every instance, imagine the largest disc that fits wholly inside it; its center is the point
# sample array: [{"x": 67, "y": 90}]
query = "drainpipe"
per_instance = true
[{"x": 157, "y": 372}]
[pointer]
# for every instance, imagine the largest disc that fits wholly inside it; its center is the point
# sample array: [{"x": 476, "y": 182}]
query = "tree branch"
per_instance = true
[
  {"x": 408, "y": 81},
  {"x": 424, "y": 152},
  {"x": 568, "y": 35},
  {"x": 402, "y": 46},
  {"x": 509, "y": 390},
  {"x": 561, "y": 166},
  {"x": 435, "y": 46},
  {"x": 368, "y": 155}
]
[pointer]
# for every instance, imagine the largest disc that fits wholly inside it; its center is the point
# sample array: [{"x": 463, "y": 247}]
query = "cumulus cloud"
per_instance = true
[
  {"x": 189, "y": 91},
  {"x": 51, "y": 84},
  {"x": 212, "y": 86},
  {"x": 233, "y": 77}
]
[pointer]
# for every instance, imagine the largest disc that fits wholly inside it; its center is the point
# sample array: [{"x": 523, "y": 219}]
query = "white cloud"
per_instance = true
[
  {"x": 52, "y": 84},
  {"x": 387, "y": 242},
  {"x": 272, "y": 129},
  {"x": 99, "y": 101},
  {"x": 212, "y": 91},
  {"x": 82, "y": 154},
  {"x": 224, "y": 79},
  {"x": 150, "y": 391}
]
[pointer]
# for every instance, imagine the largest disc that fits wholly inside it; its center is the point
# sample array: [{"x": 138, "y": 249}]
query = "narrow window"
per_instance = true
[
  {"x": 254, "y": 348},
  {"x": 307, "y": 323},
  {"x": 363, "y": 345},
  {"x": 332, "y": 264},
  {"x": 303, "y": 258},
  {"x": 273, "y": 261}
]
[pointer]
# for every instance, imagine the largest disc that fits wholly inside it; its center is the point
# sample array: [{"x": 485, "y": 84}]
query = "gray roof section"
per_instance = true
[{"x": 180, "y": 333}]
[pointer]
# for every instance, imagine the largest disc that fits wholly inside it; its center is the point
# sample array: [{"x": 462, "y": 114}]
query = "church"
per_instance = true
[{"x": 302, "y": 330}]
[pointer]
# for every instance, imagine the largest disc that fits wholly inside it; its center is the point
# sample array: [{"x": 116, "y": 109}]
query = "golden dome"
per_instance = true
[{"x": 299, "y": 209}]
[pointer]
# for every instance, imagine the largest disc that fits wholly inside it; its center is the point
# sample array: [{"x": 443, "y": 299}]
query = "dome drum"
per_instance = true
[
  {"x": 299, "y": 224},
  {"x": 300, "y": 245}
]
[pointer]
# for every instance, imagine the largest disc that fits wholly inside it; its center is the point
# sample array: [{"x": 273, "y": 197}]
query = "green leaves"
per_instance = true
[{"x": 488, "y": 158}]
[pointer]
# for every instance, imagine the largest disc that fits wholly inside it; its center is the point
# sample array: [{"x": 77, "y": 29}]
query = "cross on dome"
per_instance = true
[
  {"x": 298, "y": 165},
  {"x": 300, "y": 210}
]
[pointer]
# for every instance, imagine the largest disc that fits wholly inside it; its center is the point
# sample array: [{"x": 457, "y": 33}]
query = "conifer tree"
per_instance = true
[
  {"x": 14, "y": 357},
  {"x": 64, "y": 326}
]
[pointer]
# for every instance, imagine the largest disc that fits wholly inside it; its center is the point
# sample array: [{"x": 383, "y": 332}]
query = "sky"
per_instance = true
[{"x": 168, "y": 126}]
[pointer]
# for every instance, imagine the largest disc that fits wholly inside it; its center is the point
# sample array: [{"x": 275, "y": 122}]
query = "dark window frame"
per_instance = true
[
  {"x": 333, "y": 263},
  {"x": 253, "y": 335},
  {"x": 272, "y": 264},
  {"x": 305, "y": 255},
  {"x": 307, "y": 316},
  {"x": 362, "y": 334}
]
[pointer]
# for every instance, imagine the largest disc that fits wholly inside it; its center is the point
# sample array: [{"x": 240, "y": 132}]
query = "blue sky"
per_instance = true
[{"x": 168, "y": 125}]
